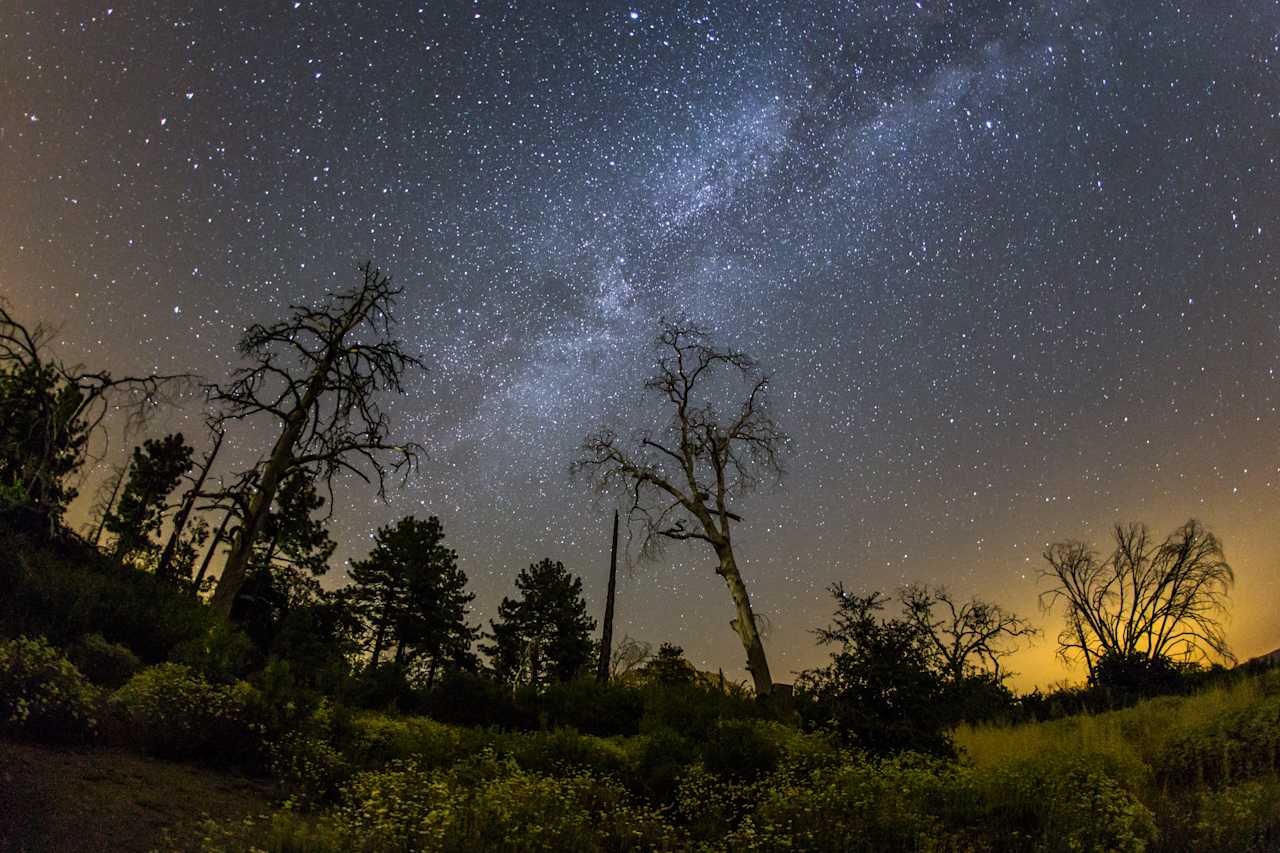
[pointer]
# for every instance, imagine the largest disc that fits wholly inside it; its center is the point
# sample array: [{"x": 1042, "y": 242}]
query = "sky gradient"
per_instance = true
[{"x": 1011, "y": 265}]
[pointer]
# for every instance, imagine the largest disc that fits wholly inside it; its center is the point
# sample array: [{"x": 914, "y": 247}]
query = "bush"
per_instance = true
[
  {"x": 63, "y": 589},
  {"x": 375, "y": 739},
  {"x": 43, "y": 695},
  {"x": 221, "y": 653},
  {"x": 591, "y": 707},
  {"x": 169, "y": 710},
  {"x": 104, "y": 663},
  {"x": 1238, "y": 819},
  {"x": 491, "y": 805},
  {"x": 1234, "y": 746},
  {"x": 469, "y": 699},
  {"x": 743, "y": 749}
]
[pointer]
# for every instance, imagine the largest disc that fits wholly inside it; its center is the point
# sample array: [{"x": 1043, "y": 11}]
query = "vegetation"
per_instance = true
[{"x": 908, "y": 739}]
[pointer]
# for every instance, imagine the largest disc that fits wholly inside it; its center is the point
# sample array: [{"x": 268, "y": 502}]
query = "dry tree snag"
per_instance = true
[
  {"x": 683, "y": 478},
  {"x": 1148, "y": 599},
  {"x": 318, "y": 373},
  {"x": 50, "y": 412}
]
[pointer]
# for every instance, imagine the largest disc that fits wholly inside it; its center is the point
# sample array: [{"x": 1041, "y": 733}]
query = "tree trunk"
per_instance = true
[
  {"x": 380, "y": 635},
  {"x": 115, "y": 491},
  {"x": 180, "y": 520},
  {"x": 745, "y": 624},
  {"x": 606, "y": 633},
  {"x": 208, "y": 556}
]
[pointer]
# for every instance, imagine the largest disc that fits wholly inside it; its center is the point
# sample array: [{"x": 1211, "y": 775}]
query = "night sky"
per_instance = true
[{"x": 1012, "y": 265}]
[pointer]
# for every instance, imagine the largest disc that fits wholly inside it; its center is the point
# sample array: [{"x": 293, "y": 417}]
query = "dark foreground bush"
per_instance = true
[
  {"x": 43, "y": 695},
  {"x": 169, "y": 710}
]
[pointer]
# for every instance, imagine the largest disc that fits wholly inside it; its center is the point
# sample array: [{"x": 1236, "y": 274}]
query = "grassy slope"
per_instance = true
[{"x": 106, "y": 799}]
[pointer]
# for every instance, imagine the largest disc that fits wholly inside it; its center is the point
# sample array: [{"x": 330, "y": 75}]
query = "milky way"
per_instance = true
[{"x": 1010, "y": 264}]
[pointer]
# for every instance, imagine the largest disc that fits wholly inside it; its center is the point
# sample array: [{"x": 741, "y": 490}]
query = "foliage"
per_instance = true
[
  {"x": 669, "y": 666},
  {"x": 169, "y": 710},
  {"x": 155, "y": 471},
  {"x": 48, "y": 411},
  {"x": 103, "y": 662},
  {"x": 544, "y": 635},
  {"x": 488, "y": 805},
  {"x": 1158, "y": 600},
  {"x": 43, "y": 439},
  {"x": 64, "y": 589},
  {"x": 880, "y": 690},
  {"x": 293, "y": 551},
  {"x": 42, "y": 694},
  {"x": 410, "y": 591}
]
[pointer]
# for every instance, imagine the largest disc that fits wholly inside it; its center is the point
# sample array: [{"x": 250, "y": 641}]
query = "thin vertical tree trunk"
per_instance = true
[
  {"x": 213, "y": 549},
  {"x": 180, "y": 520},
  {"x": 115, "y": 492},
  {"x": 606, "y": 634}
]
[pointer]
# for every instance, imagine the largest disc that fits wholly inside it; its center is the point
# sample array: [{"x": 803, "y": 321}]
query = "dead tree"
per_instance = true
[
  {"x": 318, "y": 374},
  {"x": 606, "y": 627},
  {"x": 163, "y": 567},
  {"x": 1148, "y": 599},
  {"x": 965, "y": 636},
  {"x": 50, "y": 412},
  {"x": 683, "y": 479}
]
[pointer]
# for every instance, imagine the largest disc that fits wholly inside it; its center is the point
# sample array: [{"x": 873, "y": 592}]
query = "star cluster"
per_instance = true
[{"x": 1011, "y": 264}]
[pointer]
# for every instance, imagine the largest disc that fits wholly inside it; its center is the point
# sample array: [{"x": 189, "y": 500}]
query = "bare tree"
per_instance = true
[
  {"x": 683, "y": 479},
  {"x": 1155, "y": 600},
  {"x": 318, "y": 373},
  {"x": 50, "y": 410},
  {"x": 966, "y": 636}
]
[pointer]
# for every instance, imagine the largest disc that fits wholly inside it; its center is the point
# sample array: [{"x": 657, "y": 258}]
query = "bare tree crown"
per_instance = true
[
  {"x": 1150, "y": 598},
  {"x": 325, "y": 367},
  {"x": 683, "y": 478}
]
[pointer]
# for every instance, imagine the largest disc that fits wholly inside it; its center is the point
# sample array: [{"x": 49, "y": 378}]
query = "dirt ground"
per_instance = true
[{"x": 55, "y": 799}]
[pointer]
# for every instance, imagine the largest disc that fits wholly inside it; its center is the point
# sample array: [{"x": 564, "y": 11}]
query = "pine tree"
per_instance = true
[
  {"x": 412, "y": 594},
  {"x": 156, "y": 469},
  {"x": 545, "y": 634}
]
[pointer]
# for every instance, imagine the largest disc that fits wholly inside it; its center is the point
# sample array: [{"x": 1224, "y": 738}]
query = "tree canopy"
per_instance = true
[{"x": 543, "y": 635}]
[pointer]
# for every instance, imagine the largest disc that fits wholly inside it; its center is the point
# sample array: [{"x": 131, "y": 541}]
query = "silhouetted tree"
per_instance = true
[
  {"x": 670, "y": 667},
  {"x": 49, "y": 410},
  {"x": 165, "y": 566},
  {"x": 880, "y": 690},
  {"x": 630, "y": 655},
  {"x": 1147, "y": 599},
  {"x": 606, "y": 628},
  {"x": 411, "y": 592},
  {"x": 683, "y": 479},
  {"x": 154, "y": 472},
  {"x": 968, "y": 637},
  {"x": 317, "y": 374},
  {"x": 545, "y": 634}
]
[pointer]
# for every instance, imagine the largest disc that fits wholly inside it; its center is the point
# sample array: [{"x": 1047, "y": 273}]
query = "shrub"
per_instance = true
[
  {"x": 1238, "y": 819},
  {"x": 43, "y": 695},
  {"x": 221, "y": 653},
  {"x": 743, "y": 749},
  {"x": 591, "y": 707},
  {"x": 375, "y": 739},
  {"x": 169, "y": 710},
  {"x": 308, "y": 766},
  {"x": 469, "y": 699},
  {"x": 1234, "y": 746},
  {"x": 491, "y": 805},
  {"x": 104, "y": 663}
]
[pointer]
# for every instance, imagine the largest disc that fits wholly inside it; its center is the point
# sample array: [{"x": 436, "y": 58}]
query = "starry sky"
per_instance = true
[{"x": 1011, "y": 265}]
